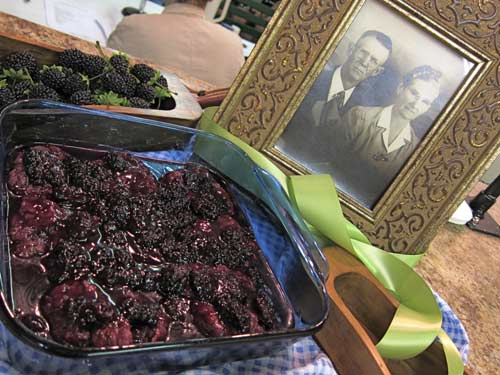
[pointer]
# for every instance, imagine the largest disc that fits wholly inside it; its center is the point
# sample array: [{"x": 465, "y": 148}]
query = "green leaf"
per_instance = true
[
  {"x": 161, "y": 92},
  {"x": 155, "y": 78},
  {"x": 46, "y": 67},
  {"x": 110, "y": 98},
  {"x": 3, "y": 83},
  {"x": 125, "y": 102},
  {"x": 13, "y": 76},
  {"x": 85, "y": 79}
]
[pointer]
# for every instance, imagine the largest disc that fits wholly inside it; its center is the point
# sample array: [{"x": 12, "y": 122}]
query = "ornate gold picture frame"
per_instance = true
[{"x": 461, "y": 105}]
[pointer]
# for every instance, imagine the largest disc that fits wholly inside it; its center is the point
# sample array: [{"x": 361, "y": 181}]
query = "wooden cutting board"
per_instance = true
[{"x": 35, "y": 39}]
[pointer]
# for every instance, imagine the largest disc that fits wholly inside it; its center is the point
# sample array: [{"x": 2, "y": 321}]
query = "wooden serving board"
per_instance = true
[
  {"x": 361, "y": 310},
  {"x": 186, "y": 112}
]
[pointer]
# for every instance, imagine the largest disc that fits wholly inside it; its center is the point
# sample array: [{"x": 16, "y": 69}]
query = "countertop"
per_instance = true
[{"x": 463, "y": 266}]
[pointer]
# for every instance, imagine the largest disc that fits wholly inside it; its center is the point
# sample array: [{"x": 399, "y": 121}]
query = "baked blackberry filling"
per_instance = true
[{"x": 104, "y": 254}]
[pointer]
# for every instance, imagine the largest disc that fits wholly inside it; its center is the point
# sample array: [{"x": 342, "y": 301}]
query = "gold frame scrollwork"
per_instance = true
[{"x": 290, "y": 55}]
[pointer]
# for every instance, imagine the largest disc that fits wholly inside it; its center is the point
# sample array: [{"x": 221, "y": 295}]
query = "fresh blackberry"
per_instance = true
[
  {"x": 119, "y": 63},
  {"x": 115, "y": 82},
  {"x": 72, "y": 59},
  {"x": 53, "y": 77},
  {"x": 143, "y": 72},
  {"x": 131, "y": 83},
  {"x": 20, "y": 61},
  {"x": 145, "y": 91},
  {"x": 92, "y": 65},
  {"x": 73, "y": 83},
  {"x": 21, "y": 89},
  {"x": 138, "y": 103},
  {"x": 40, "y": 91},
  {"x": 162, "y": 81},
  {"x": 6, "y": 97},
  {"x": 83, "y": 97},
  {"x": 95, "y": 85}
]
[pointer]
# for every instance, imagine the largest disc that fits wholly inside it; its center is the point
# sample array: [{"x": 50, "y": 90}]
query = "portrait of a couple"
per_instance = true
[{"x": 371, "y": 105}]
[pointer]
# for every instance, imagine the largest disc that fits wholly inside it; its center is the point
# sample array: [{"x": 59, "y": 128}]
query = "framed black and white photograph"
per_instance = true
[
  {"x": 373, "y": 103},
  {"x": 396, "y": 100}
]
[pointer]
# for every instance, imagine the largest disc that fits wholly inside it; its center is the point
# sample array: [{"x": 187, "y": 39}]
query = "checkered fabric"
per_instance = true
[
  {"x": 454, "y": 328},
  {"x": 300, "y": 358}
]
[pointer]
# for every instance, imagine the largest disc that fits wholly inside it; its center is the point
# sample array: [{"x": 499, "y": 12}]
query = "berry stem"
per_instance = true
[
  {"x": 29, "y": 77},
  {"x": 101, "y": 52},
  {"x": 97, "y": 76}
]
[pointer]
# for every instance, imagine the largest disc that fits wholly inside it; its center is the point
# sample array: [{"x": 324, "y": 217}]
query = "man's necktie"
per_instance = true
[
  {"x": 339, "y": 99},
  {"x": 332, "y": 109}
]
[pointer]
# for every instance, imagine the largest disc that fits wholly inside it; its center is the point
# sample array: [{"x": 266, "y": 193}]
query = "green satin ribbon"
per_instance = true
[{"x": 417, "y": 320}]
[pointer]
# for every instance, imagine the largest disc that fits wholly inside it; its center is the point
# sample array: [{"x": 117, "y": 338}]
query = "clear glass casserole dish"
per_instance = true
[{"x": 289, "y": 249}]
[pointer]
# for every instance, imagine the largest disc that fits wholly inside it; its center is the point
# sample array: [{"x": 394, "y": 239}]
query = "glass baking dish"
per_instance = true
[{"x": 291, "y": 252}]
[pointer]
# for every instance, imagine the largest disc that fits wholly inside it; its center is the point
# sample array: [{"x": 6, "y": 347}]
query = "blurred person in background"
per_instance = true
[{"x": 182, "y": 38}]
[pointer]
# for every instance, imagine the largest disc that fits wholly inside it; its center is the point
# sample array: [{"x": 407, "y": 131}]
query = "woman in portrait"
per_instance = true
[{"x": 372, "y": 143}]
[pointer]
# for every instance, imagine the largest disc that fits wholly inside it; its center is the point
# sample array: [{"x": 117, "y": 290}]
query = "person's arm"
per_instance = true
[{"x": 349, "y": 128}]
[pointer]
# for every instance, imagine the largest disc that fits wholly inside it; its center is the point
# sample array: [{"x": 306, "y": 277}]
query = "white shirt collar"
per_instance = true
[
  {"x": 385, "y": 122},
  {"x": 337, "y": 86}
]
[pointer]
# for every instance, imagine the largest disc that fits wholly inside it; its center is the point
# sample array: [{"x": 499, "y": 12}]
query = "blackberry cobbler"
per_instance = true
[{"x": 105, "y": 254}]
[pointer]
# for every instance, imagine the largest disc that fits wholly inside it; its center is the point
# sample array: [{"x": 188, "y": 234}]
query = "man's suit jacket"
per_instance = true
[
  {"x": 304, "y": 137},
  {"x": 305, "y": 132}
]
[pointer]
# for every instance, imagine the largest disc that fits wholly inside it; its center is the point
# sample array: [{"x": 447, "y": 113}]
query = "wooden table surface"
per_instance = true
[{"x": 463, "y": 266}]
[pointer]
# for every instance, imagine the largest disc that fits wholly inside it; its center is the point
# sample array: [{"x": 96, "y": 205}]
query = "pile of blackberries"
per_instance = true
[
  {"x": 83, "y": 79},
  {"x": 124, "y": 257}
]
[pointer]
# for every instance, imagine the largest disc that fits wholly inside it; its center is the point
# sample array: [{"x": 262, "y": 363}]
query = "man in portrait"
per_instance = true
[
  {"x": 373, "y": 143},
  {"x": 336, "y": 90}
]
